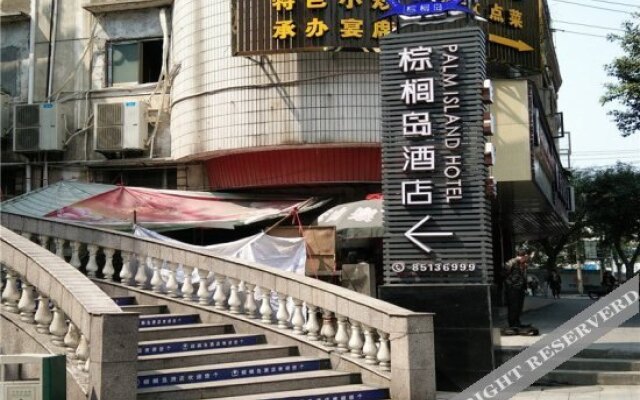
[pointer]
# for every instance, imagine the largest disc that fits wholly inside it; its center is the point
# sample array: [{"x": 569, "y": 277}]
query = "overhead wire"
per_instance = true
[
  {"x": 608, "y": 28},
  {"x": 578, "y": 33},
  {"x": 617, "y": 3},
  {"x": 594, "y": 7}
]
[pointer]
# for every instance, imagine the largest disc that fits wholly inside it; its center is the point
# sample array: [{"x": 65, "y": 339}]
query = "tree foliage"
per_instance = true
[
  {"x": 551, "y": 247},
  {"x": 626, "y": 71},
  {"x": 607, "y": 207},
  {"x": 611, "y": 203}
]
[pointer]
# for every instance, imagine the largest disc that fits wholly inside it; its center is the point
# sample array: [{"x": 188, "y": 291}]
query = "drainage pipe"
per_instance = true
[
  {"x": 164, "y": 75},
  {"x": 52, "y": 46},
  {"x": 32, "y": 49}
]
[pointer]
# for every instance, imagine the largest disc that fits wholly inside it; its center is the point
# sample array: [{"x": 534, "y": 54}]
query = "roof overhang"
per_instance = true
[
  {"x": 13, "y": 16},
  {"x": 105, "y": 6}
]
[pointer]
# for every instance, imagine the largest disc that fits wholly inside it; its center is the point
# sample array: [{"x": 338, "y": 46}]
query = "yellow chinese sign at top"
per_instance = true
[
  {"x": 317, "y": 27},
  {"x": 267, "y": 26},
  {"x": 513, "y": 31}
]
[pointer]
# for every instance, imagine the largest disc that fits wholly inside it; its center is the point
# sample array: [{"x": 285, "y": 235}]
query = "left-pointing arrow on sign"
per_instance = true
[{"x": 412, "y": 235}]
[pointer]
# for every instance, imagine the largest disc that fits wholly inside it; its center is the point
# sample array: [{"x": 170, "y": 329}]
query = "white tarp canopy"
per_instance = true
[{"x": 285, "y": 254}]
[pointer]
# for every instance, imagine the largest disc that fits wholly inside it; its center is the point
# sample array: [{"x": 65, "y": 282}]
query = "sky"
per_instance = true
[{"x": 596, "y": 141}]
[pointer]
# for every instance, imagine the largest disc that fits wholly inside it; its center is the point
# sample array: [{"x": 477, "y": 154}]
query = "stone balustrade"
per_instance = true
[
  {"x": 394, "y": 342},
  {"x": 78, "y": 318}
]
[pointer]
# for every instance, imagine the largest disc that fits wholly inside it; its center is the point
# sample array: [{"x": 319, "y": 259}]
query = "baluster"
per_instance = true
[
  {"x": 355, "y": 341},
  {"x": 234, "y": 299},
  {"x": 265, "y": 308},
  {"x": 108, "y": 270},
  {"x": 125, "y": 273},
  {"x": 44, "y": 241},
  {"x": 384, "y": 354},
  {"x": 82, "y": 352},
  {"x": 141, "y": 272},
  {"x": 369, "y": 350},
  {"x": 58, "y": 327},
  {"x": 156, "y": 278},
  {"x": 60, "y": 247},
  {"x": 282, "y": 315},
  {"x": 72, "y": 339},
  {"x": 92, "y": 265},
  {"x": 172, "y": 282},
  {"x": 187, "y": 286},
  {"x": 219, "y": 298},
  {"x": 43, "y": 315},
  {"x": 250, "y": 306},
  {"x": 342, "y": 337},
  {"x": 312, "y": 327},
  {"x": 298, "y": 318},
  {"x": 26, "y": 235},
  {"x": 203, "y": 290},
  {"x": 75, "y": 254},
  {"x": 327, "y": 331},
  {"x": 27, "y": 303},
  {"x": 10, "y": 294}
]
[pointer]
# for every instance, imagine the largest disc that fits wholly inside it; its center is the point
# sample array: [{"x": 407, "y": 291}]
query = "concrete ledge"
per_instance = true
[
  {"x": 103, "y": 6},
  {"x": 8, "y": 17}
]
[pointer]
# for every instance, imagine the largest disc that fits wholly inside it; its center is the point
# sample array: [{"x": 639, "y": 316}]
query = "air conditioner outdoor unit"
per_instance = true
[
  {"x": 120, "y": 126},
  {"x": 40, "y": 127}
]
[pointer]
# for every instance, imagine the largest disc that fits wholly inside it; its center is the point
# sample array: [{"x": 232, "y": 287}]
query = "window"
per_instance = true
[{"x": 135, "y": 62}]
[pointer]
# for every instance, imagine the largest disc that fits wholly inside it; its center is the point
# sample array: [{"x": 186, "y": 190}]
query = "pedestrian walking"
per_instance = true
[{"x": 555, "y": 283}]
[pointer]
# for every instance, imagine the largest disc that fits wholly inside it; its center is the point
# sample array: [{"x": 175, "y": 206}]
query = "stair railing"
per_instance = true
[
  {"x": 66, "y": 313},
  {"x": 379, "y": 336}
]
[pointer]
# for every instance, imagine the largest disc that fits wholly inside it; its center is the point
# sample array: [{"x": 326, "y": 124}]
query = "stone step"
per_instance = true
[
  {"x": 627, "y": 352},
  {"x": 155, "y": 320},
  {"x": 215, "y": 356},
  {"x": 246, "y": 388},
  {"x": 348, "y": 392},
  {"x": 166, "y": 346},
  {"x": 124, "y": 300},
  {"x": 180, "y": 331},
  {"x": 599, "y": 364},
  {"x": 145, "y": 309},
  {"x": 582, "y": 378}
]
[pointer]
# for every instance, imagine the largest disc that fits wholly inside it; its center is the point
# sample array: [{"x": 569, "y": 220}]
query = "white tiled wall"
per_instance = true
[{"x": 321, "y": 98}]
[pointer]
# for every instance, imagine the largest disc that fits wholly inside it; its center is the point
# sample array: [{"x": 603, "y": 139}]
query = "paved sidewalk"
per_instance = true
[
  {"x": 547, "y": 315},
  {"x": 571, "y": 393},
  {"x": 623, "y": 339}
]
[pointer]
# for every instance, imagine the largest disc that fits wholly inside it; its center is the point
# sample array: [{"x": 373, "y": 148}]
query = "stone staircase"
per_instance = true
[
  {"x": 181, "y": 358},
  {"x": 592, "y": 366}
]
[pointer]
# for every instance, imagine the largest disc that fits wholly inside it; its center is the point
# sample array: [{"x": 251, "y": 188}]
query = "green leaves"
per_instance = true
[{"x": 626, "y": 71}]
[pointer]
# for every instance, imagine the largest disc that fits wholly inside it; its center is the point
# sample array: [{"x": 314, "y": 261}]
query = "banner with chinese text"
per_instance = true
[
  {"x": 285, "y": 26},
  {"x": 436, "y": 213}
]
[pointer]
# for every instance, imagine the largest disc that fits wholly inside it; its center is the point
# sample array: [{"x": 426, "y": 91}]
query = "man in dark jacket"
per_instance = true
[{"x": 515, "y": 286}]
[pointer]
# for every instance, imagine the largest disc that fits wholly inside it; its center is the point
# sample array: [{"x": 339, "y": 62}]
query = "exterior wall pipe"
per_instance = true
[
  {"x": 52, "y": 41},
  {"x": 32, "y": 49},
  {"x": 27, "y": 178},
  {"x": 164, "y": 75},
  {"x": 45, "y": 172}
]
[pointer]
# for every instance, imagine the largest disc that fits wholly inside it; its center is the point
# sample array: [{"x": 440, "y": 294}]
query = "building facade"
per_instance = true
[{"x": 156, "y": 93}]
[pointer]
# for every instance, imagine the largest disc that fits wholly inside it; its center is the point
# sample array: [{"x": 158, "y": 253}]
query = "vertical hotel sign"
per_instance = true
[{"x": 437, "y": 215}]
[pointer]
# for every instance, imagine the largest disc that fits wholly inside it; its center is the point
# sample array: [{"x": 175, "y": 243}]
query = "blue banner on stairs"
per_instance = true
[
  {"x": 168, "y": 320},
  {"x": 219, "y": 374},
  {"x": 198, "y": 344},
  {"x": 373, "y": 394}
]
